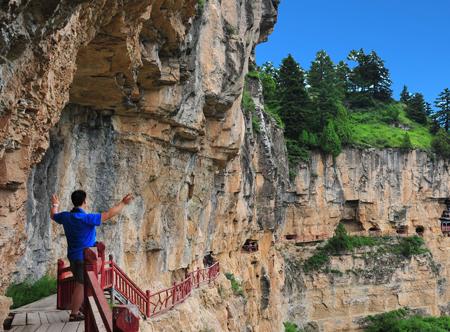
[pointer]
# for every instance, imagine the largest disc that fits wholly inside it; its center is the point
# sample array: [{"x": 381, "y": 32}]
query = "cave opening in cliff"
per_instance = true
[
  {"x": 352, "y": 225},
  {"x": 402, "y": 230},
  {"x": 374, "y": 231},
  {"x": 250, "y": 245},
  {"x": 291, "y": 237},
  {"x": 420, "y": 230}
]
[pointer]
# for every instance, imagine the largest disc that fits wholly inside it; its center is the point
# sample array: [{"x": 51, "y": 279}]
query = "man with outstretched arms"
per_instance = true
[{"x": 79, "y": 227}]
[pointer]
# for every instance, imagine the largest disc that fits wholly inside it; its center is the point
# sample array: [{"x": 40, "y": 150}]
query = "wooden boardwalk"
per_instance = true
[{"x": 42, "y": 316}]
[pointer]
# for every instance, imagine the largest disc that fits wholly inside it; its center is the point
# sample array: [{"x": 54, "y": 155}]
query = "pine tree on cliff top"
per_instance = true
[
  {"x": 268, "y": 74},
  {"x": 342, "y": 78},
  {"x": 441, "y": 144},
  {"x": 324, "y": 90},
  {"x": 404, "y": 95},
  {"x": 428, "y": 109},
  {"x": 293, "y": 97},
  {"x": 329, "y": 140},
  {"x": 443, "y": 104},
  {"x": 416, "y": 108},
  {"x": 370, "y": 77}
]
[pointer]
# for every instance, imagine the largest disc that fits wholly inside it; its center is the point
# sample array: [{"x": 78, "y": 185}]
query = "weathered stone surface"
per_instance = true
[
  {"x": 377, "y": 190},
  {"x": 151, "y": 60},
  {"x": 144, "y": 96},
  {"x": 5, "y": 304},
  {"x": 372, "y": 192},
  {"x": 140, "y": 96}
]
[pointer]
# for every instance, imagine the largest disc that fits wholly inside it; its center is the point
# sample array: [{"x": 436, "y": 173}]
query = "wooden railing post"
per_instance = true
[
  {"x": 99, "y": 273},
  {"x": 111, "y": 275},
  {"x": 210, "y": 271},
  {"x": 198, "y": 277},
  {"x": 90, "y": 264},
  {"x": 174, "y": 293},
  {"x": 101, "y": 255},
  {"x": 59, "y": 290},
  {"x": 147, "y": 309}
]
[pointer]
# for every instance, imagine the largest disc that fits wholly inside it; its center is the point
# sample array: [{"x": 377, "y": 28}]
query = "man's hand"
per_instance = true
[
  {"x": 55, "y": 200},
  {"x": 55, "y": 205},
  {"x": 127, "y": 199},
  {"x": 115, "y": 210}
]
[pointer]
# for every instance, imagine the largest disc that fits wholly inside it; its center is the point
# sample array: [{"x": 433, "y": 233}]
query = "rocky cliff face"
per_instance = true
[
  {"x": 372, "y": 193},
  {"x": 141, "y": 96},
  {"x": 145, "y": 97},
  {"x": 386, "y": 192}
]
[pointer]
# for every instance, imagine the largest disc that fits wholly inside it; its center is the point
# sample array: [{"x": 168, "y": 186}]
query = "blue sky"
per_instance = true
[{"x": 413, "y": 37}]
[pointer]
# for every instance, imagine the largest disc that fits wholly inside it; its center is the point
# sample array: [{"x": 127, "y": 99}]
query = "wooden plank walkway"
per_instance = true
[
  {"x": 56, "y": 321},
  {"x": 42, "y": 316}
]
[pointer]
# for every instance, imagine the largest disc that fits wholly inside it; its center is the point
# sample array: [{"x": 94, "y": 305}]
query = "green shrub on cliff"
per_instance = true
[
  {"x": 290, "y": 327},
  {"x": 235, "y": 284},
  {"x": 316, "y": 261},
  {"x": 27, "y": 292},
  {"x": 404, "y": 320},
  {"x": 330, "y": 141},
  {"x": 341, "y": 242},
  {"x": 441, "y": 144},
  {"x": 201, "y": 5},
  {"x": 248, "y": 104},
  {"x": 410, "y": 246}
]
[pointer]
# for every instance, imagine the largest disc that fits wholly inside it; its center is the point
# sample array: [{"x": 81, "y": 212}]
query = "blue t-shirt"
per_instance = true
[{"x": 79, "y": 227}]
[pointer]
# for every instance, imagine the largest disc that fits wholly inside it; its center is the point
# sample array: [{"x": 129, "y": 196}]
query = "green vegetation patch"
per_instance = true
[
  {"x": 331, "y": 106},
  {"x": 296, "y": 154},
  {"x": 253, "y": 74},
  {"x": 291, "y": 327},
  {"x": 341, "y": 242},
  {"x": 404, "y": 320},
  {"x": 28, "y": 292},
  {"x": 201, "y": 5},
  {"x": 382, "y": 127},
  {"x": 256, "y": 124},
  {"x": 248, "y": 104},
  {"x": 235, "y": 285},
  {"x": 273, "y": 112}
]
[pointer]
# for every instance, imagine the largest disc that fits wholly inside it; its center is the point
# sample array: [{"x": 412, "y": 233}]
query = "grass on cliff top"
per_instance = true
[
  {"x": 341, "y": 242},
  {"x": 28, "y": 292},
  {"x": 404, "y": 320},
  {"x": 375, "y": 128}
]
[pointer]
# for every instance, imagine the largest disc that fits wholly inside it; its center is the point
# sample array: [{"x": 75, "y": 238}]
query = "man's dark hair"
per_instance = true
[{"x": 78, "y": 197}]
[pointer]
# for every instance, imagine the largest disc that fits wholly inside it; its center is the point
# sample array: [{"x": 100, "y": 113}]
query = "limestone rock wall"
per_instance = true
[
  {"x": 145, "y": 97},
  {"x": 366, "y": 282},
  {"x": 141, "y": 96},
  {"x": 373, "y": 193},
  {"x": 173, "y": 67},
  {"x": 381, "y": 191}
]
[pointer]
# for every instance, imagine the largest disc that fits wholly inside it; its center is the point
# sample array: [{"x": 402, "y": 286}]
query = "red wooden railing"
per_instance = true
[
  {"x": 65, "y": 285},
  {"x": 116, "y": 279},
  {"x": 98, "y": 314},
  {"x": 152, "y": 304},
  {"x": 109, "y": 276}
]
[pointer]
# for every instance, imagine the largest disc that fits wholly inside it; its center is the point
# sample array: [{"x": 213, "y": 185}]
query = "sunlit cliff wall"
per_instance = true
[{"x": 145, "y": 97}]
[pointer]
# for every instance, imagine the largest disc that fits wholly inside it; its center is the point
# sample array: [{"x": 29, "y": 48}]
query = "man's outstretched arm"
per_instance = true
[
  {"x": 55, "y": 206},
  {"x": 116, "y": 209}
]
